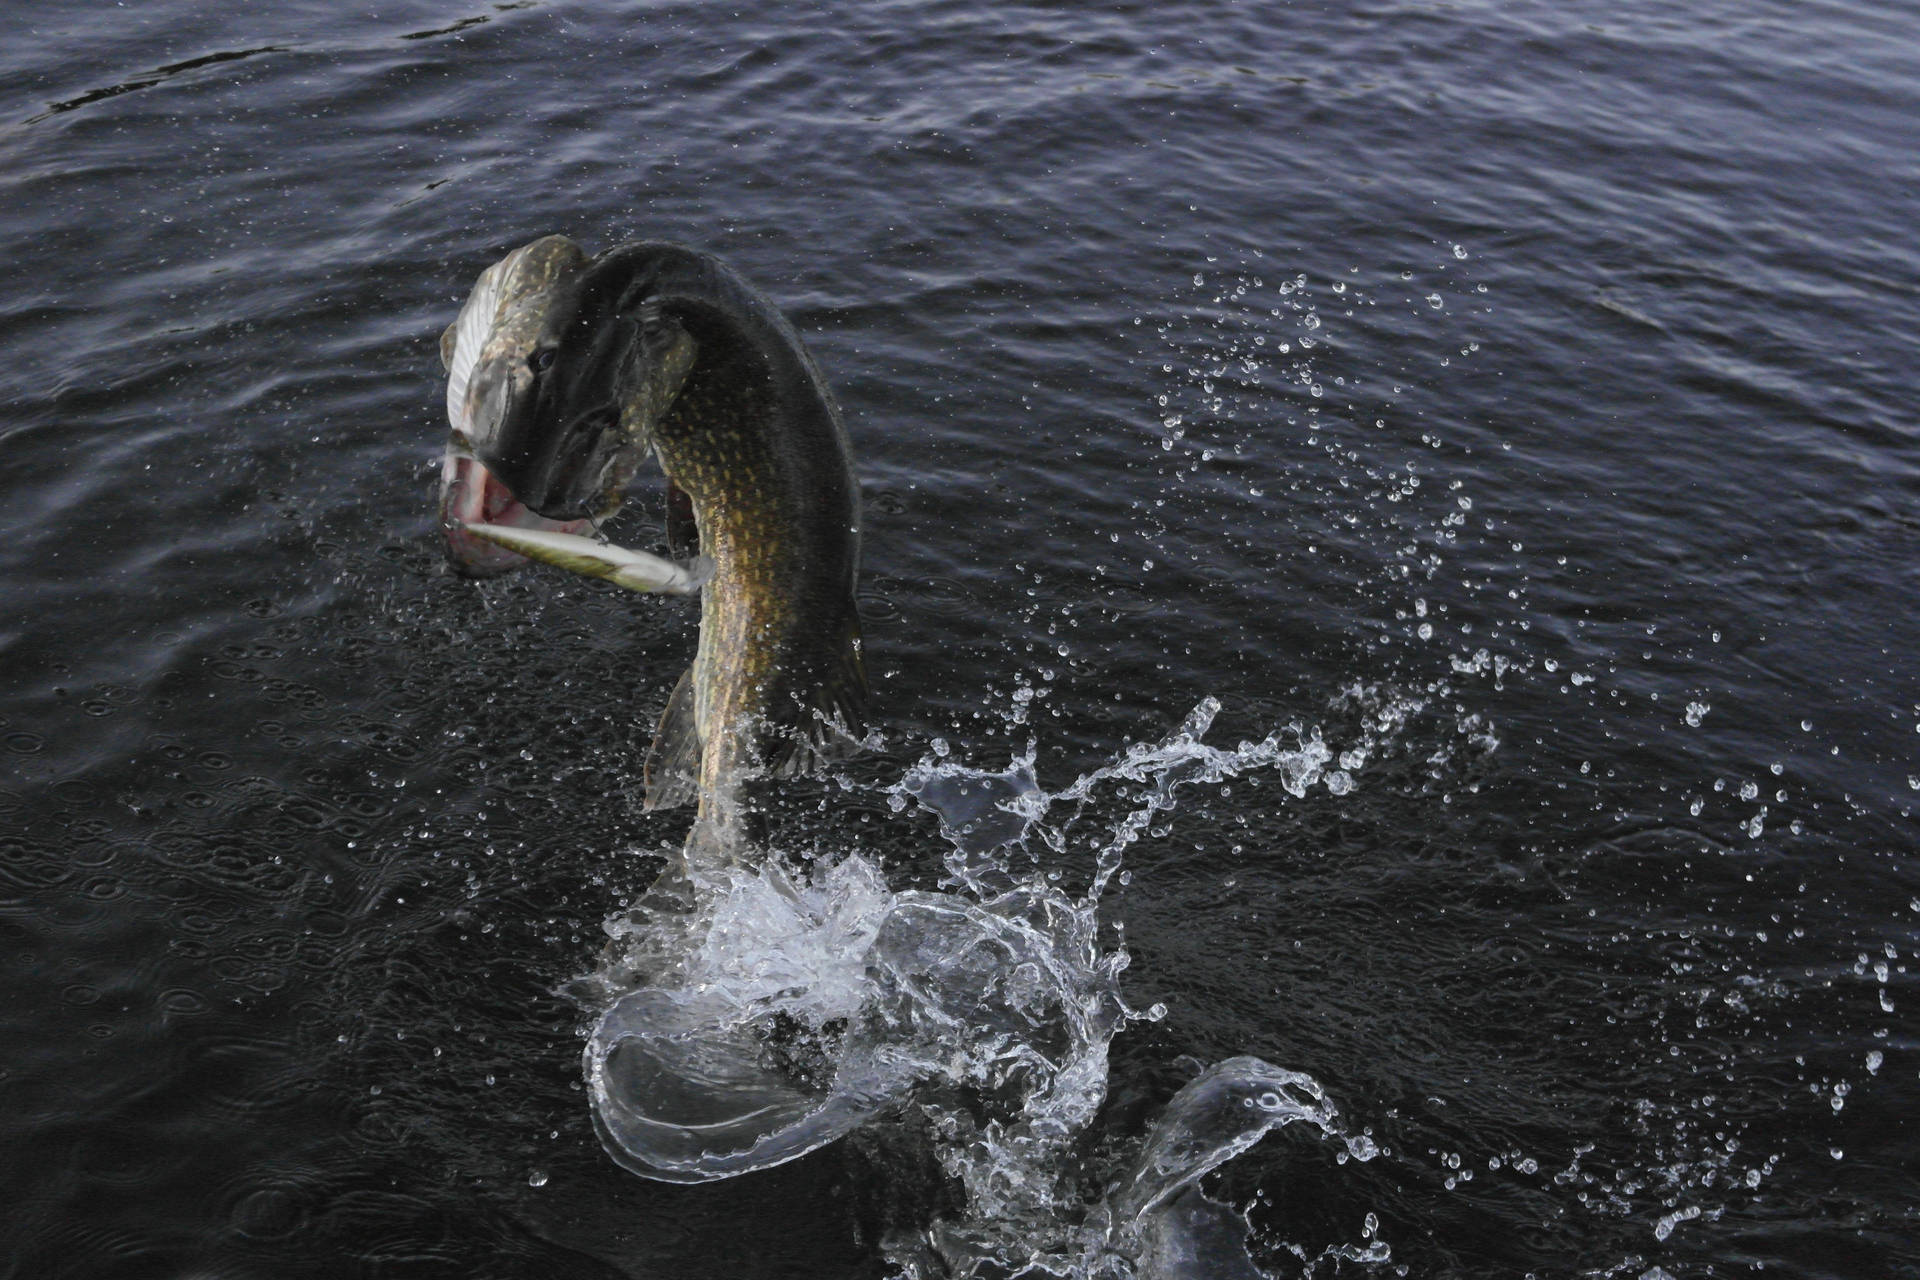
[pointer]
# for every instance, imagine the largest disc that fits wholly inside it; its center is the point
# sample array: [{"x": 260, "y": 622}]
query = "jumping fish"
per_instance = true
[{"x": 564, "y": 373}]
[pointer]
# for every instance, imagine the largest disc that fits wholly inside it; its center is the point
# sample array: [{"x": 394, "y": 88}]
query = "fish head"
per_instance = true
[
  {"x": 565, "y": 413},
  {"x": 490, "y": 354}
]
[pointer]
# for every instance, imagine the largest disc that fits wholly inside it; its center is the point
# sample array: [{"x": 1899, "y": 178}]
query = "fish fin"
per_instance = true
[
  {"x": 683, "y": 533},
  {"x": 673, "y": 763},
  {"x": 449, "y": 339},
  {"x": 832, "y": 716}
]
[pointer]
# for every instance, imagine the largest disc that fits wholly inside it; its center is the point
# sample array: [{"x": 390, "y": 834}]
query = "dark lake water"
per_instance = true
[{"x": 1524, "y": 389}]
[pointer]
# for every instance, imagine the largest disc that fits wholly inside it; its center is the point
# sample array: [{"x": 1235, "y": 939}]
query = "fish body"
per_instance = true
[{"x": 658, "y": 348}]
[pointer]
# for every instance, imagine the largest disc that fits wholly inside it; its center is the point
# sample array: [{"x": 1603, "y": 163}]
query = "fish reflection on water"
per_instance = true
[{"x": 753, "y": 1011}]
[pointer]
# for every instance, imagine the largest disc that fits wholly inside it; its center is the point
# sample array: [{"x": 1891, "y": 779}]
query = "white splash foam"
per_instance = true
[{"x": 784, "y": 1010}]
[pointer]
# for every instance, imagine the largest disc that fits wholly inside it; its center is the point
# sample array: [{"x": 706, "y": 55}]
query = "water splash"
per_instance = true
[
  {"x": 718, "y": 1064},
  {"x": 1157, "y": 1216},
  {"x": 768, "y": 1011}
]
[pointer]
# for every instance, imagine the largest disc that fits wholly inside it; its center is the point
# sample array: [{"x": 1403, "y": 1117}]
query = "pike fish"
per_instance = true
[{"x": 564, "y": 372}]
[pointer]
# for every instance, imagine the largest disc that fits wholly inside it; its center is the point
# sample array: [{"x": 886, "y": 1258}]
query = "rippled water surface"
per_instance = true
[{"x": 1517, "y": 397}]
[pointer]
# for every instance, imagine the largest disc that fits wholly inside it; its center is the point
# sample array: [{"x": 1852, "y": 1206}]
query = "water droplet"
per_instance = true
[
  {"x": 537, "y": 1179},
  {"x": 1664, "y": 1228}
]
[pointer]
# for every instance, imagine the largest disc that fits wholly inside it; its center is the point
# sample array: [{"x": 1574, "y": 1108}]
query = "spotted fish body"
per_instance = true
[
  {"x": 755, "y": 441},
  {"x": 658, "y": 347}
]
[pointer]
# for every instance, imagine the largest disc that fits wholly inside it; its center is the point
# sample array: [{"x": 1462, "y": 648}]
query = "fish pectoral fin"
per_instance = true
[
  {"x": 449, "y": 342},
  {"x": 634, "y": 570},
  {"x": 831, "y": 717},
  {"x": 673, "y": 762}
]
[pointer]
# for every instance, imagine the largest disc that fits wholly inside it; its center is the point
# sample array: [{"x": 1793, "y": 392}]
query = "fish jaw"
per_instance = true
[
  {"x": 569, "y": 438},
  {"x": 470, "y": 496}
]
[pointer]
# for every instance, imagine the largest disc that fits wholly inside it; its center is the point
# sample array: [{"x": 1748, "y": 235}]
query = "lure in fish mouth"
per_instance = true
[{"x": 564, "y": 373}]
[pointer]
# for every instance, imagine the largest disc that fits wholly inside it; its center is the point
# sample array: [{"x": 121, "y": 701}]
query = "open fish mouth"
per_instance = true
[
  {"x": 489, "y": 531},
  {"x": 470, "y": 496}
]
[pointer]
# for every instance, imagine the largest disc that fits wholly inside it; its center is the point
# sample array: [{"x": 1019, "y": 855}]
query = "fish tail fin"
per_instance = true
[
  {"x": 673, "y": 763},
  {"x": 832, "y": 715}
]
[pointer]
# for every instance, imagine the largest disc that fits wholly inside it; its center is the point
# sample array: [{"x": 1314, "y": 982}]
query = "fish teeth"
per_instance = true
[{"x": 634, "y": 570}]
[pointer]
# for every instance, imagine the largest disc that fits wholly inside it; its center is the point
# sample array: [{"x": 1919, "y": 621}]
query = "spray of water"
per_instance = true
[{"x": 768, "y": 1011}]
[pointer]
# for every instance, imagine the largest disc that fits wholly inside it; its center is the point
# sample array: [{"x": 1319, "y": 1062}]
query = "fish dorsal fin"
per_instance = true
[
  {"x": 673, "y": 763},
  {"x": 831, "y": 717}
]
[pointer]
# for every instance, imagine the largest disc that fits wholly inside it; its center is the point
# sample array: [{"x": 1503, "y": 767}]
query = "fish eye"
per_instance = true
[{"x": 541, "y": 360}]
